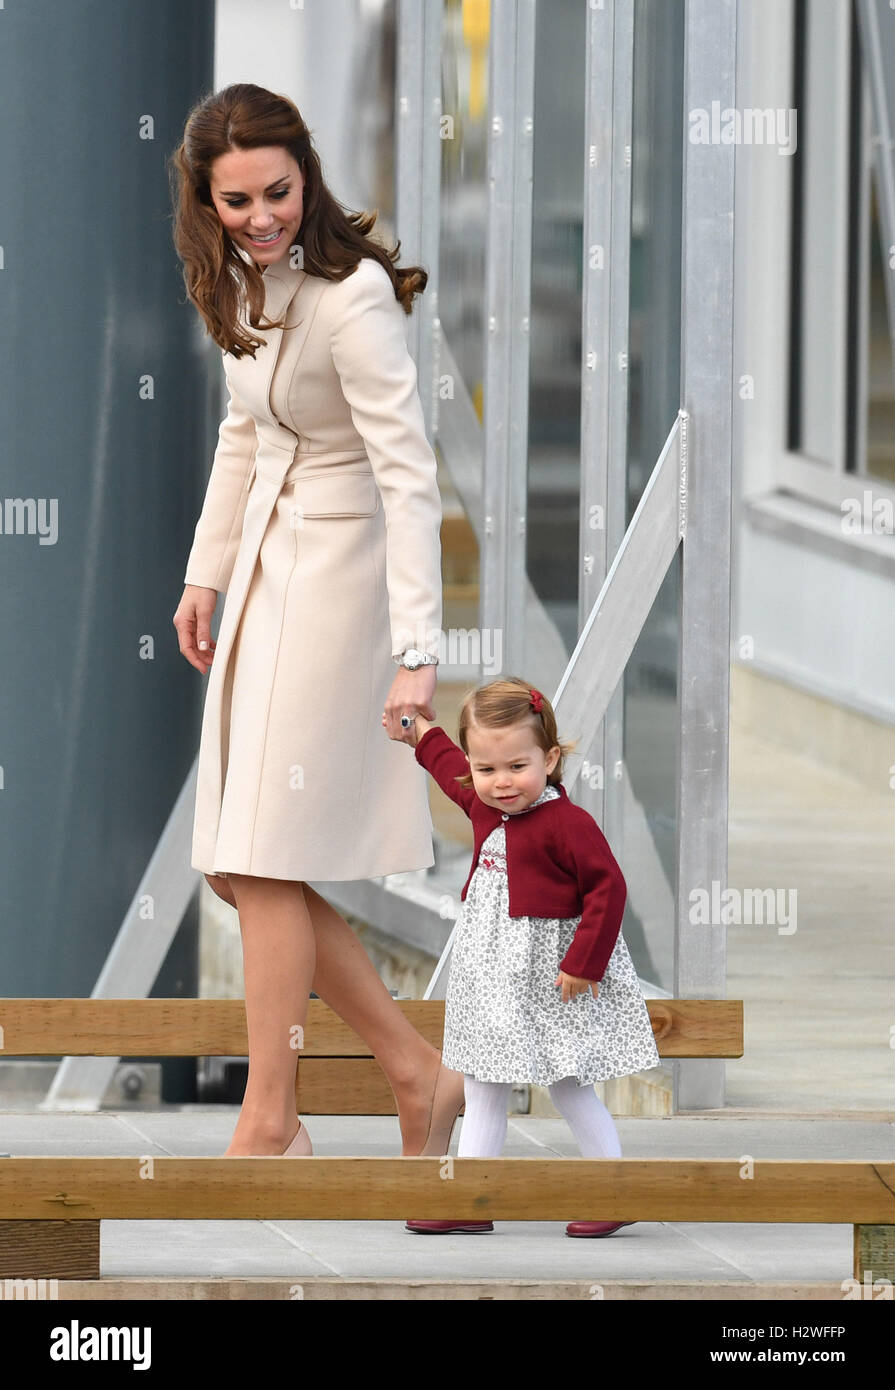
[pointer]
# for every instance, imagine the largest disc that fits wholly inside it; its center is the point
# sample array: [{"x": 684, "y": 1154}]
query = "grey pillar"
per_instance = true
[
  {"x": 704, "y": 653},
  {"x": 107, "y": 421}
]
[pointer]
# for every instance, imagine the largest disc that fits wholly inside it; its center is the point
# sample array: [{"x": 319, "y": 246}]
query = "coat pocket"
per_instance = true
[{"x": 336, "y": 493}]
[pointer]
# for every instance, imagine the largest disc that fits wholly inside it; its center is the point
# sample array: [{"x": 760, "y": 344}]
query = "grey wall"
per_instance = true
[{"x": 95, "y": 740}]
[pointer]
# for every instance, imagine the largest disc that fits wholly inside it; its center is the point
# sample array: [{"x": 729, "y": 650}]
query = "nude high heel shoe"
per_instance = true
[
  {"x": 447, "y": 1102},
  {"x": 301, "y": 1146}
]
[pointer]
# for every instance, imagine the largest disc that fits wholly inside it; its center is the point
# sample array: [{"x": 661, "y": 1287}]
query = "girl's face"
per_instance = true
[
  {"x": 258, "y": 197},
  {"x": 509, "y": 769}
]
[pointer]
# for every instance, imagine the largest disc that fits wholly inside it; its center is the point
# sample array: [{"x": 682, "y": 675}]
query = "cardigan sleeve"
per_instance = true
[
  {"x": 369, "y": 350},
  {"x": 603, "y": 892},
  {"x": 440, "y": 756},
  {"x": 219, "y": 527}
]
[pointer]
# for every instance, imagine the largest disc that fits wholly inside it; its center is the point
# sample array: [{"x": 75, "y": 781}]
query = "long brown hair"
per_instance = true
[
  {"x": 505, "y": 701},
  {"x": 333, "y": 239}
]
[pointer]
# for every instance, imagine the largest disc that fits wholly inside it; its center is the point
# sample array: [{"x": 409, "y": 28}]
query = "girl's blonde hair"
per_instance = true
[{"x": 511, "y": 700}]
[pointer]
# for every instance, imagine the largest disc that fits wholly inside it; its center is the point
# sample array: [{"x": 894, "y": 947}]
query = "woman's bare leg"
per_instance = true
[
  {"x": 346, "y": 979},
  {"x": 279, "y": 956}
]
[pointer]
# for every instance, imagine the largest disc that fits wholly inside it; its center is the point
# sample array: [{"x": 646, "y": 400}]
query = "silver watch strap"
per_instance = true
[{"x": 425, "y": 658}]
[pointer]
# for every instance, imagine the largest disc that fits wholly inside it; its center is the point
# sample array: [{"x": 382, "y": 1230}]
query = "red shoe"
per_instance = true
[
  {"x": 443, "y": 1228},
  {"x": 595, "y": 1228}
]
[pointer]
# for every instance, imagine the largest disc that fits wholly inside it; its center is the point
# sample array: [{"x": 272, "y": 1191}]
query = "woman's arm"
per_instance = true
[
  {"x": 219, "y": 527},
  {"x": 379, "y": 380}
]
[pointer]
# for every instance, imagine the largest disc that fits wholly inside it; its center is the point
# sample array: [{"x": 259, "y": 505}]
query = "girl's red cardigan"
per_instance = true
[{"x": 559, "y": 863}]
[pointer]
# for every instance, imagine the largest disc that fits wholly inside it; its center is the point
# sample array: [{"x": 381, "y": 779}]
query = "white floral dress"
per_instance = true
[{"x": 505, "y": 1020}]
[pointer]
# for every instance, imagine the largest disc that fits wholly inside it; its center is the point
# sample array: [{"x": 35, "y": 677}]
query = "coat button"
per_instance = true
[{"x": 505, "y": 815}]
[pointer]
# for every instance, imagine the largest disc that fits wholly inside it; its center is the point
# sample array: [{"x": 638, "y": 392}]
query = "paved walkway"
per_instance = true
[
  {"x": 819, "y": 1004},
  {"x": 741, "y": 1256}
]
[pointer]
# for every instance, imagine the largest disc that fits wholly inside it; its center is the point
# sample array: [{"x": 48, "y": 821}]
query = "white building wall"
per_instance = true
[{"x": 816, "y": 601}]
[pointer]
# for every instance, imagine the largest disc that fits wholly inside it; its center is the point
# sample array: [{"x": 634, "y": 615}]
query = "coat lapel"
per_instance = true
[
  {"x": 252, "y": 377},
  {"x": 282, "y": 281}
]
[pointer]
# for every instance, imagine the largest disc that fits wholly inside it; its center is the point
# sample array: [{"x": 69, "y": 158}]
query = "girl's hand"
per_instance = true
[
  {"x": 419, "y": 727},
  {"x": 193, "y": 623},
  {"x": 573, "y": 984},
  {"x": 411, "y": 693}
]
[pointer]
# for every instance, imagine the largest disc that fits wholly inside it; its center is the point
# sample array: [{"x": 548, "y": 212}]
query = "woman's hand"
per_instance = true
[
  {"x": 573, "y": 984},
  {"x": 193, "y": 623},
  {"x": 411, "y": 693}
]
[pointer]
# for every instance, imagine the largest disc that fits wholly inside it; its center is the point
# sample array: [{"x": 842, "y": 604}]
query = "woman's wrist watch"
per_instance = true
[{"x": 413, "y": 659}]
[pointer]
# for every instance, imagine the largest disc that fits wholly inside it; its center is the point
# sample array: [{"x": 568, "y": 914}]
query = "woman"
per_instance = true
[{"x": 321, "y": 524}]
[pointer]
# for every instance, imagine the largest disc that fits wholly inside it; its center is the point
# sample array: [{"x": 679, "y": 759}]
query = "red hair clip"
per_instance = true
[{"x": 536, "y": 701}]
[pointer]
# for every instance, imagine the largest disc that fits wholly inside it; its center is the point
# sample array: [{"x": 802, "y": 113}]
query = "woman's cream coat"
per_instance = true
[{"x": 321, "y": 524}]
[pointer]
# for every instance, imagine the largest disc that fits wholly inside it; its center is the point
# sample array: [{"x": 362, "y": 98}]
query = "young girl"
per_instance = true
[{"x": 542, "y": 988}]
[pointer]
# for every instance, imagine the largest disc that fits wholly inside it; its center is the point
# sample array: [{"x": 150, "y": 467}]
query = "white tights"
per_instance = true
[{"x": 484, "y": 1129}]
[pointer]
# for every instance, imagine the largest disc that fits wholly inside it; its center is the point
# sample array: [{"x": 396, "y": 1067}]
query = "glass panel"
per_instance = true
[
  {"x": 554, "y": 420},
  {"x": 654, "y": 357},
  {"x": 464, "y": 193},
  {"x": 649, "y": 834},
  {"x": 823, "y": 96},
  {"x": 650, "y": 684},
  {"x": 555, "y": 370}
]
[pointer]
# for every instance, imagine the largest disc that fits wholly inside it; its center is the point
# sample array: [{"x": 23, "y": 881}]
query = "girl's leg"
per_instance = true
[
  {"x": 482, "y": 1135},
  {"x": 484, "y": 1129},
  {"x": 346, "y": 979},
  {"x": 278, "y": 948},
  {"x": 587, "y": 1117}
]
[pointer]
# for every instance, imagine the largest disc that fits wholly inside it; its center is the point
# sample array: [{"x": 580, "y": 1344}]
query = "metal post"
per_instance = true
[
  {"x": 604, "y": 387},
  {"x": 417, "y": 179},
  {"x": 507, "y": 301},
  {"x": 704, "y": 653}
]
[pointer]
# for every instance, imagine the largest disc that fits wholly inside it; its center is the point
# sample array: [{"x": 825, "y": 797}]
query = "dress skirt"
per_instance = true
[{"x": 505, "y": 1019}]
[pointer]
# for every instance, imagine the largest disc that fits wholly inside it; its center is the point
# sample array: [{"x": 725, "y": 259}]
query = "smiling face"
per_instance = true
[
  {"x": 258, "y": 195},
  {"x": 509, "y": 769}
]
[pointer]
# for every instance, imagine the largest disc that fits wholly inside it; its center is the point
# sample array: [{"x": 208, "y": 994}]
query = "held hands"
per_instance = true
[
  {"x": 573, "y": 984},
  {"x": 193, "y": 623},
  {"x": 411, "y": 693},
  {"x": 419, "y": 727}
]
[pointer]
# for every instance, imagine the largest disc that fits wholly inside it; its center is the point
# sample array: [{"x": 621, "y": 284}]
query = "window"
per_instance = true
[{"x": 841, "y": 402}]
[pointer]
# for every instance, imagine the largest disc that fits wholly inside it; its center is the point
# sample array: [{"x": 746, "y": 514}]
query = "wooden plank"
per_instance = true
[
  {"x": 376, "y": 1189},
  {"x": 216, "y": 1027},
  {"x": 175, "y": 1028},
  {"x": 343, "y": 1086},
  {"x": 28, "y": 1249},
  {"x": 697, "y": 1027},
  {"x": 326, "y": 1035}
]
